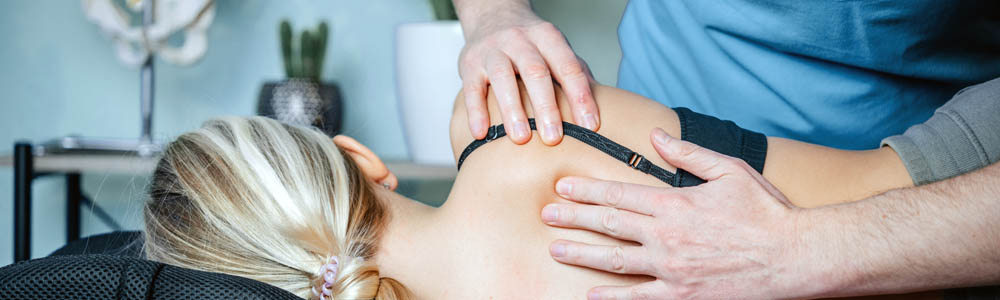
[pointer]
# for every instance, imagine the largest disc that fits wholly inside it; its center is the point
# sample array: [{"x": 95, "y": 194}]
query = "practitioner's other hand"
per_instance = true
[
  {"x": 735, "y": 236},
  {"x": 505, "y": 39}
]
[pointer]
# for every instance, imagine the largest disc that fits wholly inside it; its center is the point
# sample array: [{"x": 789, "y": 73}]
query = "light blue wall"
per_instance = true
[{"x": 59, "y": 76}]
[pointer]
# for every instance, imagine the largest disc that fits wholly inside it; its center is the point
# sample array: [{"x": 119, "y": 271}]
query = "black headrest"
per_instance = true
[
  {"x": 119, "y": 277},
  {"x": 117, "y": 243}
]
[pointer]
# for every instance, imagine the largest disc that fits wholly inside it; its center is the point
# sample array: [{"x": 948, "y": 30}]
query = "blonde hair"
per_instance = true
[{"x": 255, "y": 198}]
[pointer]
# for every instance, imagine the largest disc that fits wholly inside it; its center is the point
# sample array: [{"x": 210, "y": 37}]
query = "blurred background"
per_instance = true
[{"x": 60, "y": 75}]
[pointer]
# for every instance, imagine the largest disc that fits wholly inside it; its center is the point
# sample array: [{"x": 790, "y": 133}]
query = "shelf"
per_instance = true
[{"x": 135, "y": 165}]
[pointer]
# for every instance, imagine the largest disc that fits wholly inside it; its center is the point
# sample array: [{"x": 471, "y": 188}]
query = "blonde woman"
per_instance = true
[{"x": 319, "y": 218}]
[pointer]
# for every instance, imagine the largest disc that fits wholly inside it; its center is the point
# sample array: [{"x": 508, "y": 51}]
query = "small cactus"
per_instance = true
[
  {"x": 308, "y": 62},
  {"x": 286, "y": 48},
  {"x": 444, "y": 10},
  {"x": 306, "y": 54},
  {"x": 320, "y": 44}
]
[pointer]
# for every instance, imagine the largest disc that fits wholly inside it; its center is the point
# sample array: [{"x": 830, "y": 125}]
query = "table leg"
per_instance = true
[
  {"x": 23, "y": 174},
  {"x": 74, "y": 194}
]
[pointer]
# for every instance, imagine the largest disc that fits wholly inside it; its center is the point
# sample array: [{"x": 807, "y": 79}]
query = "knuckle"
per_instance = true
[
  {"x": 661, "y": 199},
  {"x": 547, "y": 107},
  {"x": 501, "y": 71},
  {"x": 673, "y": 241},
  {"x": 547, "y": 27},
  {"x": 468, "y": 61},
  {"x": 662, "y": 234},
  {"x": 683, "y": 291},
  {"x": 513, "y": 34},
  {"x": 571, "y": 70},
  {"x": 614, "y": 193},
  {"x": 473, "y": 86},
  {"x": 616, "y": 259},
  {"x": 547, "y": 30},
  {"x": 687, "y": 149},
  {"x": 678, "y": 268},
  {"x": 567, "y": 215},
  {"x": 609, "y": 296},
  {"x": 636, "y": 293},
  {"x": 610, "y": 220},
  {"x": 732, "y": 165},
  {"x": 731, "y": 162},
  {"x": 535, "y": 71},
  {"x": 741, "y": 163}
]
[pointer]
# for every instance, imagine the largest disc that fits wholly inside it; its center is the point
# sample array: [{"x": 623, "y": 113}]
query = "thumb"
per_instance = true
[{"x": 704, "y": 163}]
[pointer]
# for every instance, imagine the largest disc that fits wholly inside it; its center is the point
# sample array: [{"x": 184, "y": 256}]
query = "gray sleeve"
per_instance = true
[{"x": 963, "y": 135}]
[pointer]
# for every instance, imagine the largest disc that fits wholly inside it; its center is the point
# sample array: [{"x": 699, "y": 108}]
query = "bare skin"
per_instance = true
[{"x": 487, "y": 240}]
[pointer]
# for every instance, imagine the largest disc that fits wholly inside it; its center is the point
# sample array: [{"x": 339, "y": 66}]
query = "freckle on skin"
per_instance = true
[{"x": 884, "y": 216}]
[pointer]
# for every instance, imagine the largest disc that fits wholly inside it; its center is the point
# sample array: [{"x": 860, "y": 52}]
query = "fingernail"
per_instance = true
[
  {"x": 550, "y": 213},
  {"x": 593, "y": 295},
  {"x": 476, "y": 128},
  {"x": 552, "y": 132},
  {"x": 558, "y": 250},
  {"x": 520, "y": 130},
  {"x": 564, "y": 188},
  {"x": 590, "y": 121},
  {"x": 660, "y": 136}
]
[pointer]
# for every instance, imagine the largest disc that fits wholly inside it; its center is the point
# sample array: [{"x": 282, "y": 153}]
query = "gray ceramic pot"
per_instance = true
[{"x": 302, "y": 101}]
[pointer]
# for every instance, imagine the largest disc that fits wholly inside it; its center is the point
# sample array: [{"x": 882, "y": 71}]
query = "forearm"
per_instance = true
[
  {"x": 476, "y": 14},
  {"x": 935, "y": 236},
  {"x": 812, "y": 175}
]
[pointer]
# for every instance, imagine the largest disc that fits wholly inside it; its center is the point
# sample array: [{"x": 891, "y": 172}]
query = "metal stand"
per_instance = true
[
  {"x": 23, "y": 172},
  {"x": 146, "y": 80},
  {"x": 74, "y": 194},
  {"x": 144, "y": 146}
]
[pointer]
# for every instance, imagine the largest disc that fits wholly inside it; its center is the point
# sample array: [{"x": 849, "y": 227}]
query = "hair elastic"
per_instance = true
[{"x": 329, "y": 274}]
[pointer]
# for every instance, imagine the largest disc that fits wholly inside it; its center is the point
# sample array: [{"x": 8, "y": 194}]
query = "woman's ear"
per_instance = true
[{"x": 367, "y": 161}]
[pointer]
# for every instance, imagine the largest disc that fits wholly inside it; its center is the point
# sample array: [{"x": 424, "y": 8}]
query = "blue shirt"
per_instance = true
[{"x": 841, "y": 73}]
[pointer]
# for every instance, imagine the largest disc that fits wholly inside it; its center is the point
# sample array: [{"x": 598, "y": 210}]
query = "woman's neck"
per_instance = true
[{"x": 409, "y": 244}]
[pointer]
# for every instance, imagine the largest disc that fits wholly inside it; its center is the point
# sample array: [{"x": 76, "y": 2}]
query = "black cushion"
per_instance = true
[{"x": 97, "y": 276}]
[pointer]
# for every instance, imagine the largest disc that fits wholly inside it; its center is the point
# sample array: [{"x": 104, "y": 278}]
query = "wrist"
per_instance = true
[
  {"x": 819, "y": 262},
  {"x": 479, "y": 18}
]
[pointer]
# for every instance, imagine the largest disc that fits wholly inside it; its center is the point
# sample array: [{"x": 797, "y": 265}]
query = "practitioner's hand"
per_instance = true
[
  {"x": 734, "y": 236},
  {"x": 509, "y": 39}
]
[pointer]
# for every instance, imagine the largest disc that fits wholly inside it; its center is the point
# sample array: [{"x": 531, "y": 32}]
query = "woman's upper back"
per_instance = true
[{"x": 492, "y": 214}]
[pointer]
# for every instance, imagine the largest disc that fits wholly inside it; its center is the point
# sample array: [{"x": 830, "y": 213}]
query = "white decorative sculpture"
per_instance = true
[
  {"x": 136, "y": 46},
  {"x": 133, "y": 44}
]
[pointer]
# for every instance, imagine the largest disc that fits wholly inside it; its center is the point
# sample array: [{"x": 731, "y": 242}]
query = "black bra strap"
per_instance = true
[{"x": 609, "y": 147}]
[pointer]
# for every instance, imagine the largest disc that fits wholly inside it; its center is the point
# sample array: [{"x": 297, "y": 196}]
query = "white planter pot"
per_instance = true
[{"x": 427, "y": 82}]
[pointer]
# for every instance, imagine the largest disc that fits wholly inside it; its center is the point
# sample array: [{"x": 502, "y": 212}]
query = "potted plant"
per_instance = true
[
  {"x": 303, "y": 98},
  {"x": 427, "y": 82}
]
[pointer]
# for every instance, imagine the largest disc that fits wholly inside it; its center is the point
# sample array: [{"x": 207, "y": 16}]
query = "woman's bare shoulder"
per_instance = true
[{"x": 625, "y": 117}]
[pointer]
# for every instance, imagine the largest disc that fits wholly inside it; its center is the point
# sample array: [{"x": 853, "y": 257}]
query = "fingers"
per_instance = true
[
  {"x": 633, "y": 197},
  {"x": 501, "y": 76},
  {"x": 704, "y": 163},
  {"x": 538, "y": 81},
  {"x": 643, "y": 291},
  {"x": 615, "y": 259},
  {"x": 571, "y": 73},
  {"x": 620, "y": 224},
  {"x": 538, "y": 53},
  {"x": 474, "y": 91}
]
